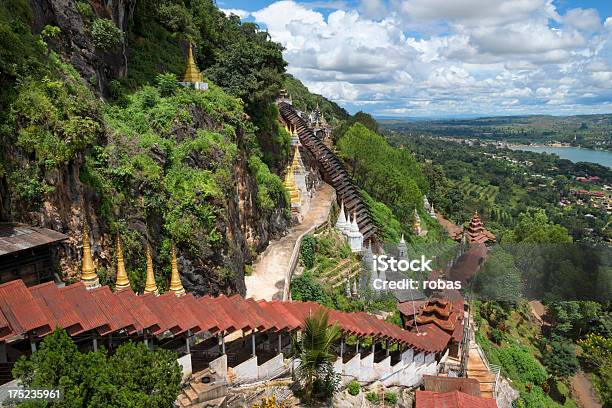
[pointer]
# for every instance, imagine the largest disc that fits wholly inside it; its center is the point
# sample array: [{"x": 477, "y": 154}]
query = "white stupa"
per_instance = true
[
  {"x": 432, "y": 212},
  {"x": 342, "y": 224},
  {"x": 354, "y": 237},
  {"x": 426, "y": 203},
  {"x": 402, "y": 249}
]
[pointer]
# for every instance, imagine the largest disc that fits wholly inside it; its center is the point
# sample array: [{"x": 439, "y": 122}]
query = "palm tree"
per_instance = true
[{"x": 314, "y": 349}]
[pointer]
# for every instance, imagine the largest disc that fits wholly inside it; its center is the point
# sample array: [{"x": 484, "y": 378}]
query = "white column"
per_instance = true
[
  {"x": 187, "y": 338},
  {"x": 32, "y": 345},
  {"x": 95, "y": 344},
  {"x": 222, "y": 344},
  {"x": 280, "y": 343},
  {"x": 253, "y": 342},
  {"x": 341, "y": 347},
  {"x": 357, "y": 348}
]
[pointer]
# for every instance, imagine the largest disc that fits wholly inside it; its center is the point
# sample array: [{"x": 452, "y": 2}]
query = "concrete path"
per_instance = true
[{"x": 270, "y": 268}]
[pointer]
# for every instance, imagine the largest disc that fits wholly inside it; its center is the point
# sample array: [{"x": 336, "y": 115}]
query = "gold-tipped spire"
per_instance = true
[
  {"x": 192, "y": 73},
  {"x": 291, "y": 187},
  {"x": 296, "y": 164},
  {"x": 88, "y": 271},
  {"x": 175, "y": 279},
  {"x": 150, "y": 285},
  {"x": 122, "y": 282}
]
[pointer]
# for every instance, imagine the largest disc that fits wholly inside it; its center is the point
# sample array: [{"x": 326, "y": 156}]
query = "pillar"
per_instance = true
[
  {"x": 94, "y": 342},
  {"x": 341, "y": 347},
  {"x": 387, "y": 346},
  {"x": 253, "y": 343},
  {"x": 357, "y": 348},
  {"x": 3, "y": 357},
  {"x": 146, "y": 342},
  {"x": 32, "y": 345},
  {"x": 222, "y": 344},
  {"x": 280, "y": 343},
  {"x": 187, "y": 339}
]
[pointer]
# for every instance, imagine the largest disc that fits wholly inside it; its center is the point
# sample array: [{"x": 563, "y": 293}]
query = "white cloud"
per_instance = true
[
  {"x": 433, "y": 56},
  {"x": 239, "y": 12}
]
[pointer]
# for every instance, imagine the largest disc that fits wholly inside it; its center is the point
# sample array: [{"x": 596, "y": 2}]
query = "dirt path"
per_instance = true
[
  {"x": 268, "y": 278},
  {"x": 583, "y": 391}
]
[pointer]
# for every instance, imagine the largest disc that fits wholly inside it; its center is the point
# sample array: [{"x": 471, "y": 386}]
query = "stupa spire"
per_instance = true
[
  {"x": 176, "y": 285},
  {"x": 150, "y": 285},
  {"x": 88, "y": 272},
  {"x": 122, "y": 282},
  {"x": 292, "y": 187},
  {"x": 192, "y": 73}
]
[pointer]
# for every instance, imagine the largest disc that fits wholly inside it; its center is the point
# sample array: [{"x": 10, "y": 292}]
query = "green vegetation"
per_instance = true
[
  {"x": 133, "y": 376},
  {"x": 105, "y": 34},
  {"x": 590, "y": 131},
  {"x": 353, "y": 388},
  {"x": 314, "y": 349},
  {"x": 389, "y": 175},
  {"x": 372, "y": 397}
]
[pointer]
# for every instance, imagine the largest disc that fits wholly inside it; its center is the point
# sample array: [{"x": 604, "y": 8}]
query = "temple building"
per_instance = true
[
  {"x": 284, "y": 97},
  {"x": 193, "y": 77},
  {"x": 28, "y": 253},
  {"x": 476, "y": 232}
]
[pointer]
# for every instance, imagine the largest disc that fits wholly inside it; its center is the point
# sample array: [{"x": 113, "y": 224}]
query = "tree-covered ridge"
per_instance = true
[{"x": 306, "y": 101}]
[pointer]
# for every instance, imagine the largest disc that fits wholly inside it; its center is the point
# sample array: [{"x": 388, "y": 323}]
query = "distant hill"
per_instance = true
[{"x": 593, "y": 131}]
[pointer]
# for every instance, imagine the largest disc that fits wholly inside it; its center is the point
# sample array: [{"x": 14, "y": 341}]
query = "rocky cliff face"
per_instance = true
[
  {"x": 75, "y": 41},
  {"x": 78, "y": 192}
]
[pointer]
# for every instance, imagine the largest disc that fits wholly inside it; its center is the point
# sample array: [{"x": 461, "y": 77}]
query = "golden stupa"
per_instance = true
[
  {"x": 291, "y": 187},
  {"x": 122, "y": 282},
  {"x": 176, "y": 285},
  {"x": 88, "y": 271},
  {"x": 192, "y": 73},
  {"x": 296, "y": 164},
  {"x": 150, "y": 285}
]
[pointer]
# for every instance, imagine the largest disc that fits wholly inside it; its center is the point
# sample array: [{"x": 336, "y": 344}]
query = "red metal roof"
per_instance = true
[
  {"x": 454, "y": 399},
  {"x": 45, "y": 306}
]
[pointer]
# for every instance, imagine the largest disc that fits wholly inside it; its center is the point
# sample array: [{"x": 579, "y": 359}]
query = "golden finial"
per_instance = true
[
  {"x": 88, "y": 272},
  {"x": 150, "y": 285},
  {"x": 175, "y": 279},
  {"x": 192, "y": 73},
  {"x": 122, "y": 282}
]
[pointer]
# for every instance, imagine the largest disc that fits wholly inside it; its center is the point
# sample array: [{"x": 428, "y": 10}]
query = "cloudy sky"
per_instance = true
[{"x": 404, "y": 58}]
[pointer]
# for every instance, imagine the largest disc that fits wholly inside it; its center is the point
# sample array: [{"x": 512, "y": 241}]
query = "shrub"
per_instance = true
[
  {"x": 353, "y": 387},
  {"x": 372, "y": 397},
  {"x": 391, "y": 398},
  {"x": 560, "y": 357},
  {"x": 105, "y": 34},
  {"x": 167, "y": 84},
  {"x": 307, "y": 251},
  {"x": 84, "y": 8}
]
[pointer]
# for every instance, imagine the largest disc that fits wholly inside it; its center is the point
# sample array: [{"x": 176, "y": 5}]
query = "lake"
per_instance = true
[{"x": 575, "y": 154}]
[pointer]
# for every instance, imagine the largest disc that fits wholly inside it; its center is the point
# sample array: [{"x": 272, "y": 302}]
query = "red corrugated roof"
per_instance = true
[
  {"x": 454, "y": 399},
  {"x": 100, "y": 309}
]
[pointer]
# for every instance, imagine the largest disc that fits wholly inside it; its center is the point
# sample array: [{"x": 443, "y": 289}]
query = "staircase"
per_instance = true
[
  {"x": 334, "y": 172},
  {"x": 480, "y": 369},
  {"x": 198, "y": 394}
]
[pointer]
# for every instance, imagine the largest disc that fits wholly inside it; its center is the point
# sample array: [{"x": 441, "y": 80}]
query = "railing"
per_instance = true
[{"x": 295, "y": 255}]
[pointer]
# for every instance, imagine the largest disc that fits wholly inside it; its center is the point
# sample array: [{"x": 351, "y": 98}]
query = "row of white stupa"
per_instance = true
[{"x": 350, "y": 229}]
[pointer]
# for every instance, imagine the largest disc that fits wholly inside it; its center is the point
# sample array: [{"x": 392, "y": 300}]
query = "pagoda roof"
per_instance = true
[
  {"x": 453, "y": 399},
  {"x": 15, "y": 237}
]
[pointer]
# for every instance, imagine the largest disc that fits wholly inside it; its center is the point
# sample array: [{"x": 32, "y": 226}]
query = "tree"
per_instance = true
[
  {"x": 559, "y": 357},
  {"x": 167, "y": 84},
  {"x": 134, "y": 376},
  {"x": 314, "y": 349},
  {"x": 499, "y": 279},
  {"x": 105, "y": 34}
]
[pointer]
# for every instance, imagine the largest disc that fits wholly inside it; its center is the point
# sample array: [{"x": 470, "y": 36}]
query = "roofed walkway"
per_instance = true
[{"x": 277, "y": 262}]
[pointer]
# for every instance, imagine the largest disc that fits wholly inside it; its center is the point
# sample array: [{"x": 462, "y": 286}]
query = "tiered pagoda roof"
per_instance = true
[
  {"x": 476, "y": 232},
  {"x": 442, "y": 313}
]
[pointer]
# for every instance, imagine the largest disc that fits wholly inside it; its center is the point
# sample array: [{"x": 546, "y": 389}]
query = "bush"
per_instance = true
[
  {"x": 167, "y": 84},
  {"x": 105, "y": 34},
  {"x": 353, "y": 387},
  {"x": 560, "y": 358},
  {"x": 372, "y": 397},
  {"x": 391, "y": 398},
  {"x": 307, "y": 251}
]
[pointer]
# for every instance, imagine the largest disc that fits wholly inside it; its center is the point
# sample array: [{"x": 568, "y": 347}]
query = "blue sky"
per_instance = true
[{"x": 423, "y": 58}]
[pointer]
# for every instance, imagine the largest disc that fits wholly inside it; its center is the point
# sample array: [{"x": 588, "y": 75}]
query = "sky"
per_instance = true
[{"x": 446, "y": 58}]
